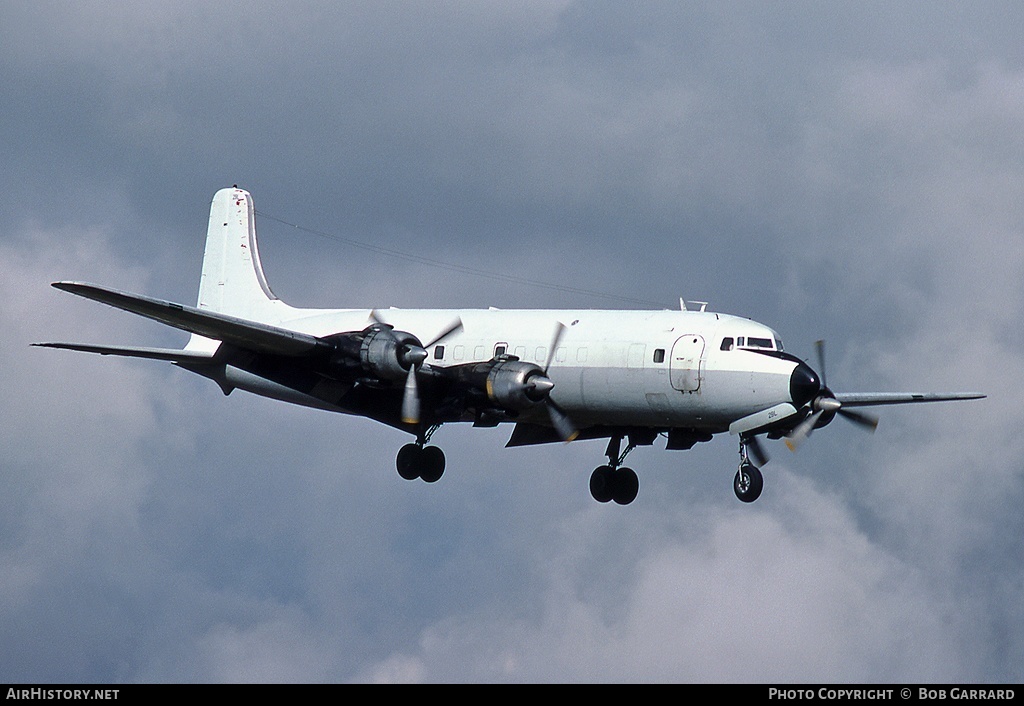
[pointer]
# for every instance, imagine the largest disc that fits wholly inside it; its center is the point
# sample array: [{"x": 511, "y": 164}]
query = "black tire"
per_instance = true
[
  {"x": 748, "y": 483},
  {"x": 431, "y": 464},
  {"x": 602, "y": 485},
  {"x": 409, "y": 461},
  {"x": 625, "y": 486}
]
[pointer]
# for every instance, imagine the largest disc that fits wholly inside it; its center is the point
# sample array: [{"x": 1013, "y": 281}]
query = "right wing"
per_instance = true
[{"x": 872, "y": 399}]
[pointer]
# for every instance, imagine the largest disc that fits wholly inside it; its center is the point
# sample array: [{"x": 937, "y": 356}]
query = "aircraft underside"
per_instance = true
[{"x": 442, "y": 403}]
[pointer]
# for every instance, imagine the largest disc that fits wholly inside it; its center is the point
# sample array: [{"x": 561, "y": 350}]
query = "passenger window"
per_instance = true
[
  {"x": 659, "y": 355},
  {"x": 727, "y": 344},
  {"x": 499, "y": 350},
  {"x": 438, "y": 352}
]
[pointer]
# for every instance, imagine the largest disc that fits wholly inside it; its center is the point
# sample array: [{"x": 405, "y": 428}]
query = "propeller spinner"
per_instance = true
[{"x": 823, "y": 408}]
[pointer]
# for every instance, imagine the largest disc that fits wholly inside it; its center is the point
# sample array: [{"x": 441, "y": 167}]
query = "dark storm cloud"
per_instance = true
[{"x": 848, "y": 173}]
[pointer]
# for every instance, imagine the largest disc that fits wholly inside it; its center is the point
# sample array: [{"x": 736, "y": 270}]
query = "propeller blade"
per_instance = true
[
  {"x": 453, "y": 327},
  {"x": 756, "y": 450},
  {"x": 865, "y": 421},
  {"x": 561, "y": 422},
  {"x": 819, "y": 347},
  {"x": 559, "y": 332},
  {"x": 375, "y": 318},
  {"x": 802, "y": 431},
  {"x": 411, "y": 399}
]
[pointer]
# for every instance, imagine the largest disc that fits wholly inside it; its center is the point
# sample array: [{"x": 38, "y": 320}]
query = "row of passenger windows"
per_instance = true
[{"x": 458, "y": 353}]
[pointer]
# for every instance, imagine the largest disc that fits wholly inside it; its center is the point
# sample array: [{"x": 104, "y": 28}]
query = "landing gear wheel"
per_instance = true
[
  {"x": 408, "y": 461},
  {"x": 415, "y": 461},
  {"x": 602, "y": 483},
  {"x": 748, "y": 483},
  {"x": 626, "y": 486},
  {"x": 431, "y": 464},
  {"x": 618, "y": 484}
]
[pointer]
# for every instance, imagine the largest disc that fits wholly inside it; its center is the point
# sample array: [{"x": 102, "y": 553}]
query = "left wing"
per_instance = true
[
  {"x": 240, "y": 332},
  {"x": 173, "y": 355}
]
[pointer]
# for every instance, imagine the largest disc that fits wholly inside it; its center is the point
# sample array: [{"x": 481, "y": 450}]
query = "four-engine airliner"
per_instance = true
[{"x": 557, "y": 375}]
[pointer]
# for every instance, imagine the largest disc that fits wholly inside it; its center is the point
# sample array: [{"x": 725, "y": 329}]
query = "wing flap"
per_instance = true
[{"x": 245, "y": 334}]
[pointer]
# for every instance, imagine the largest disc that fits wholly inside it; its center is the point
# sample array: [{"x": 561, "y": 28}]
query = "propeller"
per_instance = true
[
  {"x": 826, "y": 403},
  {"x": 755, "y": 448},
  {"x": 415, "y": 355},
  {"x": 411, "y": 355},
  {"x": 543, "y": 385}
]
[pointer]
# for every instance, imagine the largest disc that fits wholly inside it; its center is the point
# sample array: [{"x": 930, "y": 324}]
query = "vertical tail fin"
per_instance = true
[{"x": 233, "y": 281}]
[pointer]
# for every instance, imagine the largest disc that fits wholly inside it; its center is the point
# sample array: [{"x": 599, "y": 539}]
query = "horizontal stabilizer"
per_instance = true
[
  {"x": 871, "y": 399},
  {"x": 244, "y": 334},
  {"x": 172, "y": 354}
]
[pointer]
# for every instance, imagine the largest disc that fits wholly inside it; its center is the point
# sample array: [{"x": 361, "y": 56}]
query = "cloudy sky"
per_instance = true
[{"x": 854, "y": 174}]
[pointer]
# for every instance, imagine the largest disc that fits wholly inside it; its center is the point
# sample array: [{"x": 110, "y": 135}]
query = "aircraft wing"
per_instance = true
[
  {"x": 871, "y": 399},
  {"x": 173, "y": 355},
  {"x": 240, "y": 332}
]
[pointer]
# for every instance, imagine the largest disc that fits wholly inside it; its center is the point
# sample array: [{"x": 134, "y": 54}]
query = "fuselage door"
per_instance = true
[{"x": 685, "y": 362}]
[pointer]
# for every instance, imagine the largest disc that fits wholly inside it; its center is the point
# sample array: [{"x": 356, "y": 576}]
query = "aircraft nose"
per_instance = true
[{"x": 804, "y": 385}]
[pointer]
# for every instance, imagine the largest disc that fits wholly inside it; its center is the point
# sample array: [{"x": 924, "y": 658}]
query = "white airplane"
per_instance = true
[{"x": 558, "y": 375}]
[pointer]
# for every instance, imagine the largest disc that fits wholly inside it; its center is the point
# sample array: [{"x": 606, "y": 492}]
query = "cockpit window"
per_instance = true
[{"x": 750, "y": 343}]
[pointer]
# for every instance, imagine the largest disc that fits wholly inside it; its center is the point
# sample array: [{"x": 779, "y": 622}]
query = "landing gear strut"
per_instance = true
[
  {"x": 613, "y": 481},
  {"x": 417, "y": 460},
  {"x": 748, "y": 482}
]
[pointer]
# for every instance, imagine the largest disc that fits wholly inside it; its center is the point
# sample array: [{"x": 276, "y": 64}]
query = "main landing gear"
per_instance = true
[
  {"x": 417, "y": 460},
  {"x": 613, "y": 481},
  {"x": 748, "y": 482}
]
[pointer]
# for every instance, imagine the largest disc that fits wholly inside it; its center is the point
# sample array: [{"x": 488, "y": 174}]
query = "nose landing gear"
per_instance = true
[
  {"x": 748, "y": 482},
  {"x": 614, "y": 481}
]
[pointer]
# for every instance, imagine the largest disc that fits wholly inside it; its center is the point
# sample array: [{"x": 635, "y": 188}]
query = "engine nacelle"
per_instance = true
[
  {"x": 516, "y": 385},
  {"x": 385, "y": 354},
  {"x": 376, "y": 352}
]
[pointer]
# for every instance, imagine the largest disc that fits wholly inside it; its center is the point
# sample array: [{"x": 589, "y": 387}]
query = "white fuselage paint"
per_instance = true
[{"x": 605, "y": 370}]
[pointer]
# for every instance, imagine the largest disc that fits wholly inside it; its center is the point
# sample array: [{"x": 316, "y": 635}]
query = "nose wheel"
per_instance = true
[
  {"x": 614, "y": 481},
  {"x": 748, "y": 482}
]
